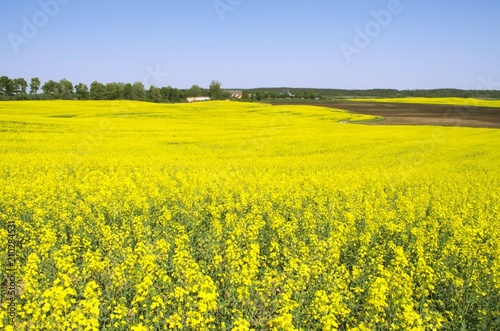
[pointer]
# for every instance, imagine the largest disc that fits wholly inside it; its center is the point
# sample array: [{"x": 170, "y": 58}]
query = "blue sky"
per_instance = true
[{"x": 255, "y": 43}]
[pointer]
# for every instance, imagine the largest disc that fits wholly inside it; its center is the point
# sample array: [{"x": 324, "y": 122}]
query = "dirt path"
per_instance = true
[{"x": 418, "y": 114}]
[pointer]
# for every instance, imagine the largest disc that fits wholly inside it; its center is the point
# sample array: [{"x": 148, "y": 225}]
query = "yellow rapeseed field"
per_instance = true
[
  {"x": 466, "y": 102},
  {"x": 244, "y": 216}
]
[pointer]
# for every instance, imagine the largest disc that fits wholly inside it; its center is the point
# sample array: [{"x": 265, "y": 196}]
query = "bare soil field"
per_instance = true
[{"x": 418, "y": 114}]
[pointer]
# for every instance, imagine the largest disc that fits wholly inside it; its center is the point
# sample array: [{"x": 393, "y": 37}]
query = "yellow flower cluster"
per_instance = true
[{"x": 244, "y": 216}]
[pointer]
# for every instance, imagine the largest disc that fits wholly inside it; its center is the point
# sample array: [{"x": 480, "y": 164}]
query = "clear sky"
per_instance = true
[{"x": 404, "y": 44}]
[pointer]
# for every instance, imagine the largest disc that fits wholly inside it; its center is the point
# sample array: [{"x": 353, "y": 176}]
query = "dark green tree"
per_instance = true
[
  {"x": 155, "y": 94},
  {"x": 51, "y": 89},
  {"x": 171, "y": 94},
  {"x": 97, "y": 91},
  {"x": 195, "y": 91},
  {"x": 6, "y": 86},
  {"x": 114, "y": 91},
  {"x": 138, "y": 91},
  {"x": 82, "y": 91},
  {"x": 127, "y": 91},
  {"x": 19, "y": 86},
  {"x": 215, "y": 91},
  {"x": 65, "y": 88},
  {"x": 35, "y": 85}
]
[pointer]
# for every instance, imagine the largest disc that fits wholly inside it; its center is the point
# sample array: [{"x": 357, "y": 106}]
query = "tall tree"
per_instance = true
[
  {"x": 114, "y": 91},
  {"x": 171, "y": 94},
  {"x": 51, "y": 88},
  {"x": 215, "y": 91},
  {"x": 138, "y": 91},
  {"x": 127, "y": 91},
  {"x": 155, "y": 94},
  {"x": 166, "y": 92},
  {"x": 65, "y": 88},
  {"x": 19, "y": 86},
  {"x": 35, "y": 85},
  {"x": 194, "y": 91},
  {"x": 6, "y": 86},
  {"x": 82, "y": 91},
  {"x": 97, "y": 91}
]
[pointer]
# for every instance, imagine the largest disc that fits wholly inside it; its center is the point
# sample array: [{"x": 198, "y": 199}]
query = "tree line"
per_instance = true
[
  {"x": 20, "y": 89},
  {"x": 330, "y": 94}
]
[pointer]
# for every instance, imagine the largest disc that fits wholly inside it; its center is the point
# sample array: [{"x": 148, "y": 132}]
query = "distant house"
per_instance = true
[
  {"x": 197, "y": 99},
  {"x": 235, "y": 94}
]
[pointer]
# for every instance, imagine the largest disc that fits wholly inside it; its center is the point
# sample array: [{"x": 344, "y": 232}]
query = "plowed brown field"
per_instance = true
[{"x": 419, "y": 114}]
